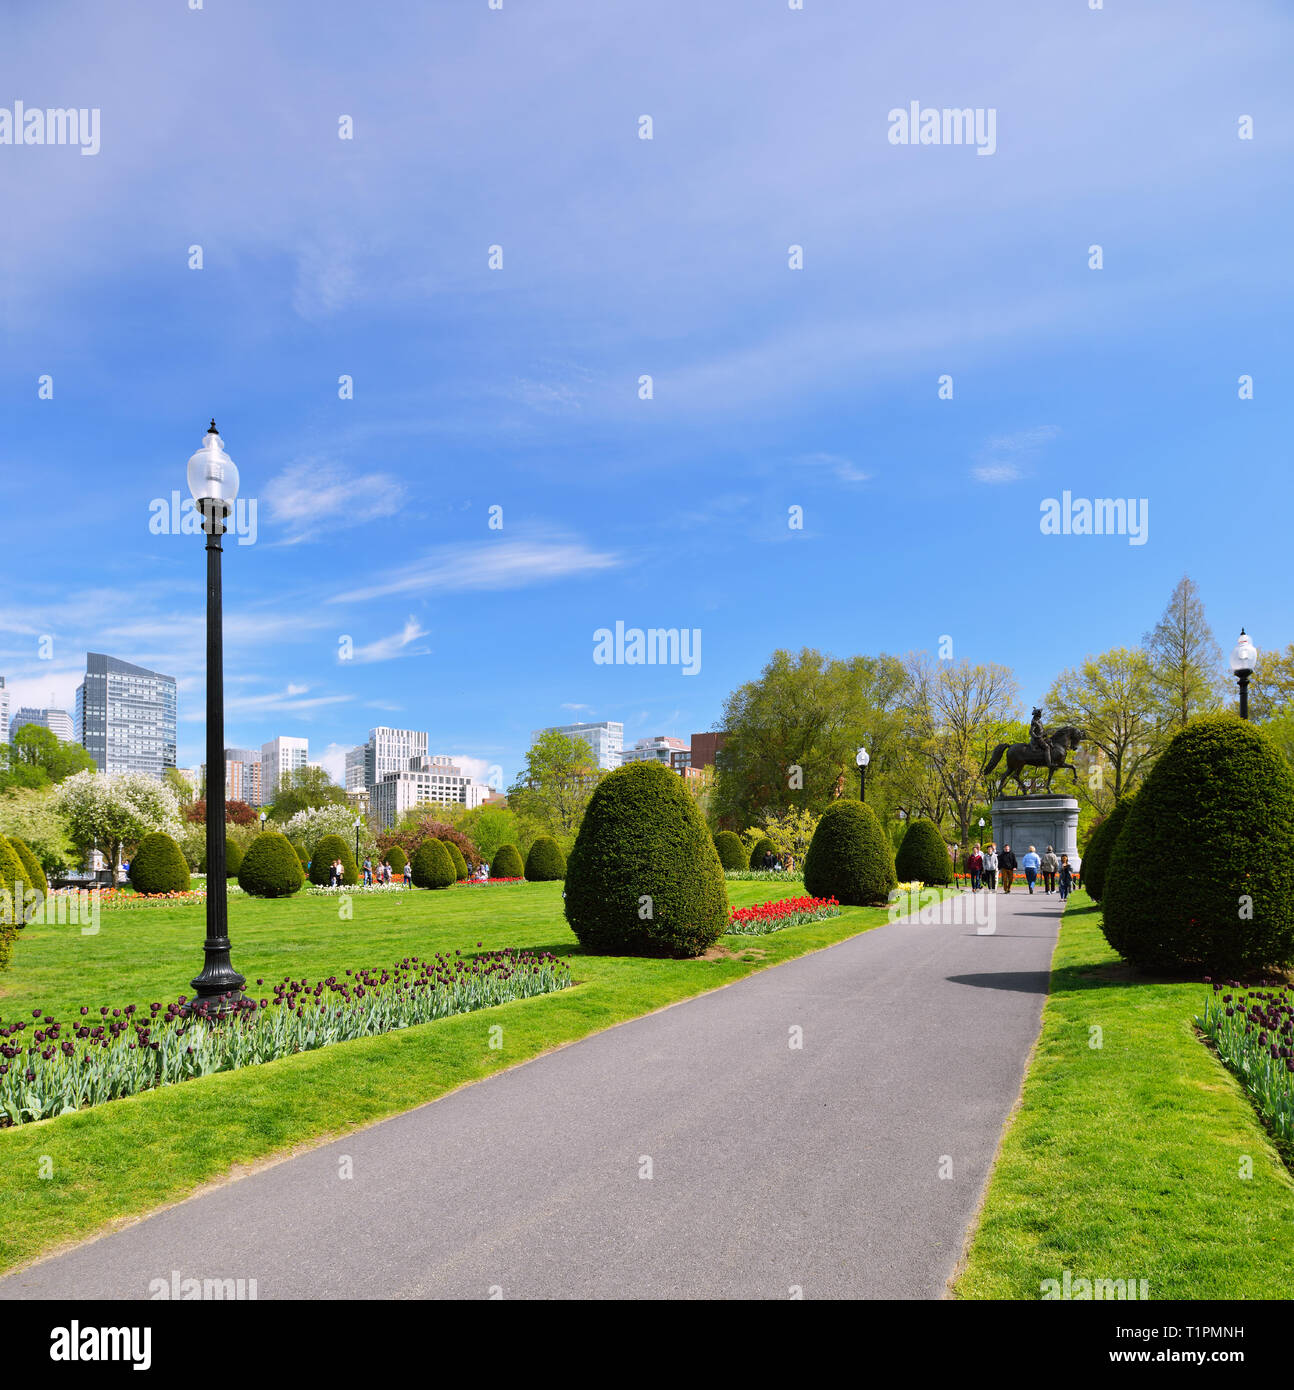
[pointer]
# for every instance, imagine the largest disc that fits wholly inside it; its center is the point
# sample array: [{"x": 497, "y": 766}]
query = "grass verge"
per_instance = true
[{"x": 1133, "y": 1154}]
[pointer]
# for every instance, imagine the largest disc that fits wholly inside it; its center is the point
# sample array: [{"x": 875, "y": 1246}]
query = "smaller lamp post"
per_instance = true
[
  {"x": 358, "y": 822},
  {"x": 981, "y": 832},
  {"x": 863, "y": 758},
  {"x": 265, "y": 815},
  {"x": 1244, "y": 657}
]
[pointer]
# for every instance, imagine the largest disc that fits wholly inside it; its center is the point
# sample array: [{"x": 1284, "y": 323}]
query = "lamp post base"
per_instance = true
[{"x": 219, "y": 988}]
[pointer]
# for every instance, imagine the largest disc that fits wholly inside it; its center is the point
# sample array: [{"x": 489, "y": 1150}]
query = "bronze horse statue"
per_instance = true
[{"x": 1057, "y": 744}]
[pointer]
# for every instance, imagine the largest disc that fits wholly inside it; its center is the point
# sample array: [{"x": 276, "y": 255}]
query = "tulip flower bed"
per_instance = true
[
  {"x": 323, "y": 891},
  {"x": 775, "y": 916},
  {"x": 114, "y": 899},
  {"x": 1253, "y": 1031},
  {"x": 50, "y": 1066},
  {"x": 485, "y": 882},
  {"x": 755, "y": 875}
]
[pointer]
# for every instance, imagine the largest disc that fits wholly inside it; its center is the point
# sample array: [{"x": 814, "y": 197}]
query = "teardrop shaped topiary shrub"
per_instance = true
[
  {"x": 332, "y": 847},
  {"x": 849, "y": 857},
  {"x": 1201, "y": 876},
  {"x": 762, "y": 847},
  {"x": 644, "y": 877},
  {"x": 270, "y": 868},
  {"x": 545, "y": 862},
  {"x": 233, "y": 858},
  {"x": 456, "y": 859},
  {"x": 923, "y": 856},
  {"x": 731, "y": 852},
  {"x": 158, "y": 865},
  {"x": 1100, "y": 846},
  {"x": 432, "y": 866},
  {"x": 14, "y": 887},
  {"x": 507, "y": 863},
  {"x": 397, "y": 859},
  {"x": 35, "y": 874}
]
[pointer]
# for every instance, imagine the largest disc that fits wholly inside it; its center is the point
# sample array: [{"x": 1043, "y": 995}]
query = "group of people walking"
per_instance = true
[
  {"x": 384, "y": 872},
  {"x": 986, "y": 864}
]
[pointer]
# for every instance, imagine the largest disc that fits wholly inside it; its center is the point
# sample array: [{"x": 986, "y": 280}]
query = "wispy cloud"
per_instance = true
[
  {"x": 313, "y": 499},
  {"x": 843, "y": 468},
  {"x": 292, "y": 699},
  {"x": 1007, "y": 457},
  {"x": 511, "y": 564},
  {"x": 388, "y": 648},
  {"x": 578, "y": 709}
]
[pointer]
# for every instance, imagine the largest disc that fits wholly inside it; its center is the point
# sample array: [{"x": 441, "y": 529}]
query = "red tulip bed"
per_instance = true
[
  {"x": 485, "y": 882},
  {"x": 1253, "y": 1031},
  {"x": 785, "y": 912},
  {"x": 49, "y": 1066}
]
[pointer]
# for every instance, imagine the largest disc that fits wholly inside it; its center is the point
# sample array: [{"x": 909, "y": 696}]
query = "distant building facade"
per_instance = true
[
  {"x": 125, "y": 716},
  {"x": 606, "y": 739},
  {"x": 4, "y": 712},
  {"x": 425, "y": 781},
  {"x": 243, "y": 775},
  {"x": 659, "y": 749},
  {"x": 705, "y": 747},
  {"x": 57, "y": 721},
  {"x": 279, "y": 757}
]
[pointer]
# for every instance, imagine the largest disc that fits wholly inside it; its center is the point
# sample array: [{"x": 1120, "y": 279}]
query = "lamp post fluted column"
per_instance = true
[{"x": 218, "y": 985}]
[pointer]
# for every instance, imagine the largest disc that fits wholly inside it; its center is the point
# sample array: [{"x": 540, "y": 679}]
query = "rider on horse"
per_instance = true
[{"x": 1037, "y": 739}]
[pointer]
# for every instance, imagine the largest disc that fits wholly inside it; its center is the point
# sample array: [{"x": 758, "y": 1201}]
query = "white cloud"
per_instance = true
[
  {"x": 844, "y": 469},
  {"x": 578, "y": 709},
  {"x": 1007, "y": 457},
  {"x": 333, "y": 762},
  {"x": 313, "y": 499},
  {"x": 397, "y": 644},
  {"x": 510, "y": 564}
]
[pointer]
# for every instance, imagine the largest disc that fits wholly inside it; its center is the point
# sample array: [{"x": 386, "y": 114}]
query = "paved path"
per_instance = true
[{"x": 772, "y": 1167}]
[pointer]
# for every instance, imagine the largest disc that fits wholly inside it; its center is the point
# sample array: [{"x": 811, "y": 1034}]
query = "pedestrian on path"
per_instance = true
[
  {"x": 976, "y": 864},
  {"x": 990, "y": 869},
  {"x": 1066, "y": 877},
  {"x": 1050, "y": 868},
  {"x": 1030, "y": 864},
  {"x": 368, "y": 872},
  {"x": 1007, "y": 862}
]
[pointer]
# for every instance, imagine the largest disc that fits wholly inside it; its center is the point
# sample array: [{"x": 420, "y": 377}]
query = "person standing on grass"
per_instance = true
[
  {"x": 1066, "y": 877},
  {"x": 1050, "y": 868},
  {"x": 1030, "y": 864},
  {"x": 368, "y": 872},
  {"x": 1007, "y": 862},
  {"x": 990, "y": 869}
]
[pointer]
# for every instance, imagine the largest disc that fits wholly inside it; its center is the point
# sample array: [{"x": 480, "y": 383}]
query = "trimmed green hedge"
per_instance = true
[
  {"x": 849, "y": 857},
  {"x": 762, "y": 847},
  {"x": 644, "y": 877},
  {"x": 271, "y": 867},
  {"x": 923, "y": 856},
  {"x": 456, "y": 859},
  {"x": 233, "y": 858},
  {"x": 731, "y": 852},
  {"x": 13, "y": 899},
  {"x": 545, "y": 862},
  {"x": 507, "y": 863},
  {"x": 35, "y": 874},
  {"x": 1201, "y": 876},
  {"x": 332, "y": 847},
  {"x": 158, "y": 865},
  {"x": 1100, "y": 846},
  {"x": 432, "y": 866},
  {"x": 397, "y": 859}
]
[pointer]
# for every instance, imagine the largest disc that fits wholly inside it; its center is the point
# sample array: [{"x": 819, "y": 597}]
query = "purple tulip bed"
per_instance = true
[
  {"x": 49, "y": 1066},
  {"x": 1253, "y": 1031}
]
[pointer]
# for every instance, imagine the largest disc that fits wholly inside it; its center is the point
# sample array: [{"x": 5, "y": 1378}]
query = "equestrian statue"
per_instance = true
[{"x": 1042, "y": 750}]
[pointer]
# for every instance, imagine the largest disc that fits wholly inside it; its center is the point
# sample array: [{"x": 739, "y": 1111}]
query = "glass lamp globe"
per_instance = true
[
  {"x": 1244, "y": 656},
  {"x": 863, "y": 758},
  {"x": 212, "y": 473}
]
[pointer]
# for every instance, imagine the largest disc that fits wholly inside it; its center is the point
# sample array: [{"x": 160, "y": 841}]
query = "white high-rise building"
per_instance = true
[
  {"x": 280, "y": 756},
  {"x": 658, "y": 749},
  {"x": 57, "y": 721},
  {"x": 605, "y": 739},
  {"x": 387, "y": 750},
  {"x": 125, "y": 716},
  {"x": 423, "y": 782},
  {"x": 4, "y": 712}
]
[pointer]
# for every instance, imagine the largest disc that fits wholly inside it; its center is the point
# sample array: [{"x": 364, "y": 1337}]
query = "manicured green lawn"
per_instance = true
[
  {"x": 1126, "y": 1161},
  {"x": 122, "y": 1159}
]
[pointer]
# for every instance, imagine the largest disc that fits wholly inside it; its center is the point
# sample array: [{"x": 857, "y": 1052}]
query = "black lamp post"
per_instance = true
[
  {"x": 213, "y": 480},
  {"x": 863, "y": 758},
  {"x": 1244, "y": 657},
  {"x": 358, "y": 823}
]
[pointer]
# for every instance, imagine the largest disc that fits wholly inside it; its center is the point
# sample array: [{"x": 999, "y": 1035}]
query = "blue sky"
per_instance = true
[{"x": 518, "y": 388}]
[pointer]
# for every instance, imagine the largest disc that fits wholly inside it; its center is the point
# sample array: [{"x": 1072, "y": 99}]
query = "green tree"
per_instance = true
[
  {"x": 793, "y": 732},
  {"x": 489, "y": 827},
  {"x": 303, "y": 787},
  {"x": 1113, "y": 699},
  {"x": 1186, "y": 663},
  {"x": 181, "y": 786},
  {"x": 32, "y": 814},
  {"x": 36, "y": 757},
  {"x": 1271, "y": 688},
  {"x": 112, "y": 810},
  {"x": 554, "y": 786}
]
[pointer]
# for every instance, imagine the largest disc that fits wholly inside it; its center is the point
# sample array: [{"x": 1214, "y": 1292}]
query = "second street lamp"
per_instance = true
[
  {"x": 213, "y": 480},
  {"x": 1244, "y": 658},
  {"x": 863, "y": 758}
]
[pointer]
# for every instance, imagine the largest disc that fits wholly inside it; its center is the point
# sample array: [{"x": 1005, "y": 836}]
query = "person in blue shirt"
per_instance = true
[{"x": 1030, "y": 865}]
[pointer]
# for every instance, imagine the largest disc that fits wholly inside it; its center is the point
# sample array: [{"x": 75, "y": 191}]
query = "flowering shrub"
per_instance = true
[
  {"x": 1253, "y": 1031},
  {"x": 324, "y": 891},
  {"x": 111, "y": 899},
  {"x": 785, "y": 912},
  {"x": 48, "y": 1066},
  {"x": 750, "y": 875},
  {"x": 487, "y": 882}
]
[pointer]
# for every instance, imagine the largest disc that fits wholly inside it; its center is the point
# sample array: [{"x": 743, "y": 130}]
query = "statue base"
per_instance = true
[{"x": 1021, "y": 821}]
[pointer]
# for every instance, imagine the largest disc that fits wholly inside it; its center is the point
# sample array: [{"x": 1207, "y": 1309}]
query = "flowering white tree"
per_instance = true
[
  {"x": 117, "y": 809},
  {"x": 308, "y": 827}
]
